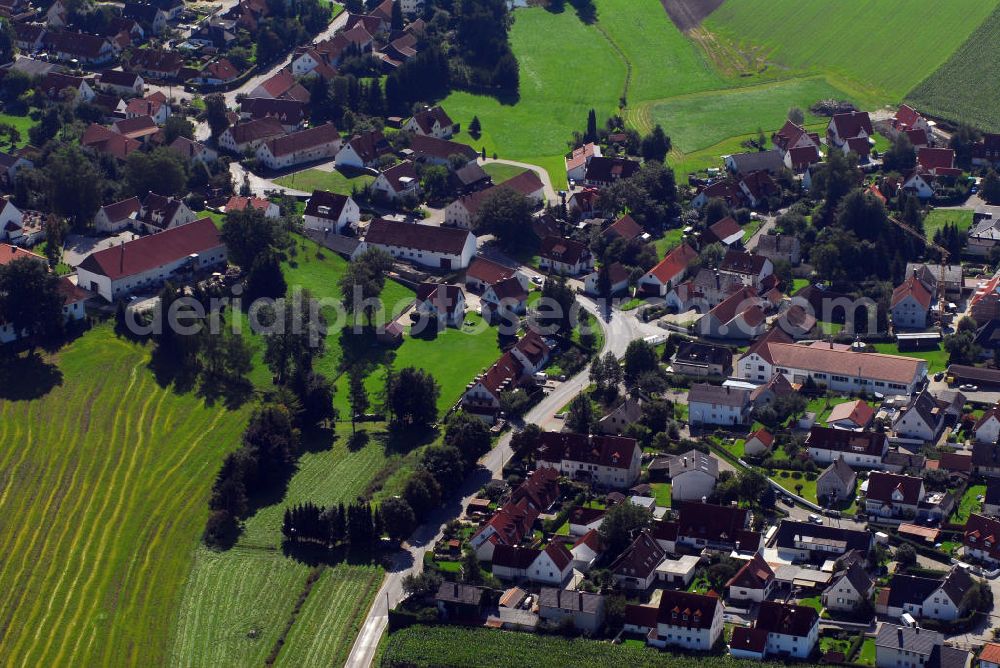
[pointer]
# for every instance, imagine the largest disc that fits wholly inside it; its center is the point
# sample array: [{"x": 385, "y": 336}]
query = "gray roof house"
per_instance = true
[
  {"x": 586, "y": 610},
  {"x": 836, "y": 482},
  {"x": 714, "y": 404}
]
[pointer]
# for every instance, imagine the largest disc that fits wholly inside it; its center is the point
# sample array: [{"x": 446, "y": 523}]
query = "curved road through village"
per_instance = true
[{"x": 620, "y": 329}]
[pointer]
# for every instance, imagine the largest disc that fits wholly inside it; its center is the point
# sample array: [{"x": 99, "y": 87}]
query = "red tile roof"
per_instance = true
[
  {"x": 936, "y": 158},
  {"x": 911, "y": 287},
  {"x": 881, "y": 486},
  {"x": 303, "y": 140},
  {"x": 146, "y": 253},
  {"x": 786, "y": 619},
  {"x": 610, "y": 451},
  {"x": 558, "y": 249},
  {"x": 674, "y": 264},
  {"x": 559, "y": 555},
  {"x": 625, "y": 228},
  {"x": 488, "y": 271},
  {"x": 9, "y": 253},
  {"x": 687, "y": 609}
]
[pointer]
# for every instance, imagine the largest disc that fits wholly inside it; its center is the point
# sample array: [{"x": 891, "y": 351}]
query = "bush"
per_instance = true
[{"x": 796, "y": 475}]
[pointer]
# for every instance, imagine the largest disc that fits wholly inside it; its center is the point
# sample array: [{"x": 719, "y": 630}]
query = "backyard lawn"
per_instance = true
[
  {"x": 938, "y": 218},
  {"x": 668, "y": 241},
  {"x": 20, "y": 123},
  {"x": 502, "y": 172},
  {"x": 318, "y": 179},
  {"x": 787, "y": 480},
  {"x": 969, "y": 504},
  {"x": 661, "y": 492},
  {"x": 867, "y": 653}
]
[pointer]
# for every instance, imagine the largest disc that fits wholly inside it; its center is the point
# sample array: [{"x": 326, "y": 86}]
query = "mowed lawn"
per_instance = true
[
  {"x": 857, "y": 40},
  {"x": 335, "y": 181},
  {"x": 566, "y": 69},
  {"x": 966, "y": 88},
  {"x": 702, "y": 120},
  {"x": 501, "y": 172},
  {"x": 937, "y": 360},
  {"x": 22, "y": 124},
  {"x": 938, "y": 218},
  {"x": 104, "y": 485}
]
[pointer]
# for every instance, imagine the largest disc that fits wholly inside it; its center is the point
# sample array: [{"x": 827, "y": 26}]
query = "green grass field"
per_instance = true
[
  {"x": 963, "y": 89},
  {"x": 937, "y": 360},
  {"x": 938, "y": 218},
  {"x": 858, "y": 41},
  {"x": 104, "y": 484},
  {"x": 319, "y": 179},
  {"x": 969, "y": 503},
  {"x": 501, "y": 172}
]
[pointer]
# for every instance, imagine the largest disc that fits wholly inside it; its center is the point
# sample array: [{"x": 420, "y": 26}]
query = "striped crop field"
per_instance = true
[{"x": 103, "y": 497}]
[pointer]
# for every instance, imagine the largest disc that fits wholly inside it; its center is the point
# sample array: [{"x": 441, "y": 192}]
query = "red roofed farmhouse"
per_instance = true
[
  {"x": 147, "y": 262},
  {"x": 659, "y": 280}
]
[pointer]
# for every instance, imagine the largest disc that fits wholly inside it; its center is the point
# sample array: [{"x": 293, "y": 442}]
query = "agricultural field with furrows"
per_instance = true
[
  {"x": 104, "y": 483},
  {"x": 966, "y": 88},
  {"x": 859, "y": 40}
]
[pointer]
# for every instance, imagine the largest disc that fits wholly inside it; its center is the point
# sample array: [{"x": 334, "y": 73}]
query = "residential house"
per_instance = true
[
  {"x": 399, "y": 181},
  {"x": 602, "y": 171},
  {"x": 854, "y": 124},
  {"x": 801, "y": 159},
  {"x": 470, "y": 178},
  {"x": 290, "y": 113},
  {"x": 194, "y": 151},
  {"x": 914, "y": 647},
  {"x": 930, "y": 598},
  {"x": 624, "y": 228},
  {"x": 742, "y": 164},
  {"x": 836, "y": 483},
  {"x": 752, "y": 583},
  {"x": 780, "y": 629},
  {"x": 433, "y": 122},
  {"x": 854, "y": 415},
  {"x": 695, "y": 358},
  {"x": 686, "y": 620},
  {"x": 510, "y": 562},
  {"x": 792, "y": 136},
  {"x": 554, "y": 565},
  {"x": 849, "y": 590},
  {"x": 990, "y": 656},
  {"x": 162, "y": 213},
  {"x": 87, "y": 50},
  {"x": 483, "y": 272},
  {"x": 364, "y": 150},
  {"x": 715, "y": 405},
  {"x": 618, "y": 279},
  {"x": 921, "y": 419},
  {"x": 619, "y": 418},
  {"x": 11, "y": 164},
  {"x": 906, "y": 120},
  {"x": 217, "y": 72},
  {"x": 434, "y": 151},
  {"x": 508, "y": 526},
  {"x": 142, "y": 129},
  {"x": 931, "y": 274},
  {"x": 584, "y": 609},
  {"x": 123, "y": 83},
  {"x": 115, "y": 217},
  {"x": 838, "y": 369},
  {"x": 726, "y": 190},
  {"x": 105, "y": 140},
  {"x": 751, "y": 269},
  {"x": 146, "y": 14},
  {"x": 156, "y": 64},
  {"x": 780, "y": 248},
  {"x": 57, "y": 16},
  {"x": 154, "y": 106},
  {"x": 757, "y": 188},
  {"x": 316, "y": 143},
  {"x": 893, "y": 495},
  {"x": 807, "y": 542},
  {"x": 635, "y": 568},
  {"x": 142, "y": 264},
  {"x": 987, "y": 428},
  {"x": 427, "y": 245},
  {"x": 659, "y": 280},
  {"x": 607, "y": 461},
  {"x": 586, "y": 551},
  {"x": 982, "y": 537},
  {"x": 330, "y": 211},
  {"x": 725, "y": 231},
  {"x": 464, "y": 211},
  {"x": 825, "y": 445},
  {"x": 444, "y": 302},
  {"x": 248, "y": 137},
  {"x": 240, "y": 203},
  {"x": 564, "y": 256},
  {"x": 705, "y": 525},
  {"x": 55, "y": 83},
  {"x": 910, "y": 304},
  {"x": 991, "y": 499},
  {"x": 986, "y": 151},
  {"x": 583, "y": 520},
  {"x": 692, "y": 476},
  {"x": 457, "y": 601},
  {"x": 282, "y": 85},
  {"x": 514, "y": 368},
  {"x": 758, "y": 443},
  {"x": 740, "y": 316},
  {"x": 506, "y": 296},
  {"x": 986, "y": 458},
  {"x": 578, "y": 158}
]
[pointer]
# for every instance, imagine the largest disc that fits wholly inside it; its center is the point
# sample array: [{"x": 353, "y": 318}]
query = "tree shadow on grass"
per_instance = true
[
  {"x": 28, "y": 377},
  {"x": 314, "y": 554},
  {"x": 399, "y": 440},
  {"x": 318, "y": 439},
  {"x": 585, "y": 9},
  {"x": 232, "y": 393}
]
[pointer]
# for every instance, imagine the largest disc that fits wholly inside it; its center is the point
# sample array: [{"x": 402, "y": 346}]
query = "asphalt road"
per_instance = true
[{"x": 619, "y": 330}]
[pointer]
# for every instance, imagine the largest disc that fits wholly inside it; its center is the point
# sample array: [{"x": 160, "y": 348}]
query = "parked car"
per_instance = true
[
  {"x": 939, "y": 375},
  {"x": 815, "y": 519},
  {"x": 968, "y": 387}
]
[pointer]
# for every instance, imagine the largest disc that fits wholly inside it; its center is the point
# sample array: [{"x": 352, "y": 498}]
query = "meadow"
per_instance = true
[
  {"x": 107, "y": 475},
  {"x": 966, "y": 88},
  {"x": 936, "y": 219},
  {"x": 862, "y": 41},
  {"x": 335, "y": 181}
]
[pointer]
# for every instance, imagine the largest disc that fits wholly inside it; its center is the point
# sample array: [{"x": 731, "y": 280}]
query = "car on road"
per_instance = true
[
  {"x": 938, "y": 376},
  {"x": 968, "y": 387},
  {"x": 815, "y": 519}
]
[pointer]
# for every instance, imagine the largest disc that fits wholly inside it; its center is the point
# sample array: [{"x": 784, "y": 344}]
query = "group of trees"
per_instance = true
[
  {"x": 606, "y": 375},
  {"x": 30, "y": 301},
  {"x": 363, "y": 282},
  {"x": 288, "y": 25},
  {"x": 506, "y": 214},
  {"x": 649, "y": 196},
  {"x": 357, "y": 525},
  {"x": 266, "y": 456}
]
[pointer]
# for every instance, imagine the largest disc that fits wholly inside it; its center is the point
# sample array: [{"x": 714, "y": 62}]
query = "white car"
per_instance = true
[{"x": 968, "y": 387}]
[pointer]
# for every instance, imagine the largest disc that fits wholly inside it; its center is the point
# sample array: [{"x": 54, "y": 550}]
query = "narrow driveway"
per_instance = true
[
  {"x": 619, "y": 330},
  {"x": 550, "y": 192}
]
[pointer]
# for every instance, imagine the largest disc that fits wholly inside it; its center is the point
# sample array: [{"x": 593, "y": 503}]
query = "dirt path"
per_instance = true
[{"x": 688, "y": 14}]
